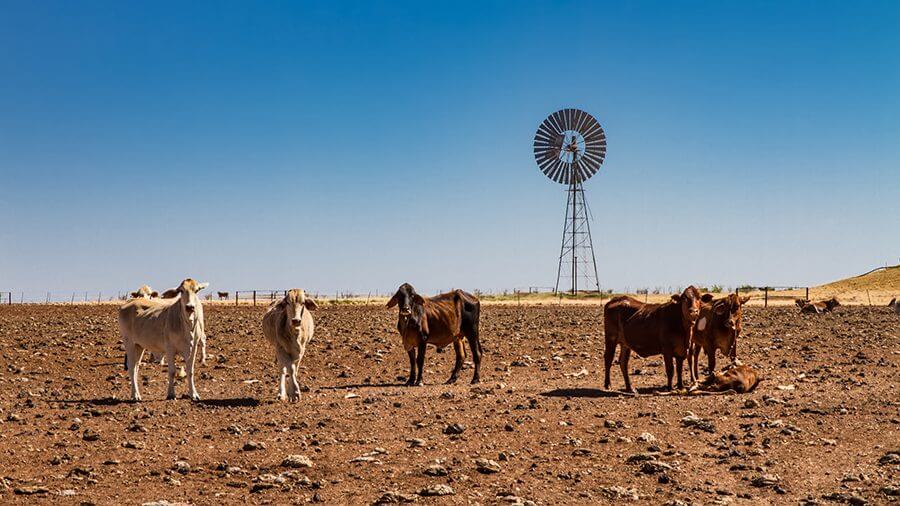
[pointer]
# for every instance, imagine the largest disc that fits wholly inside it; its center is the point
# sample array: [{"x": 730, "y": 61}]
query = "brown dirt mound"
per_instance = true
[{"x": 884, "y": 278}]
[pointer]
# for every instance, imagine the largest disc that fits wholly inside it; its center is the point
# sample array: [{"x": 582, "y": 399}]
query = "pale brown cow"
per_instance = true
[
  {"x": 718, "y": 328},
  {"x": 650, "y": 329},
  {"x": 824, "y": 306}
]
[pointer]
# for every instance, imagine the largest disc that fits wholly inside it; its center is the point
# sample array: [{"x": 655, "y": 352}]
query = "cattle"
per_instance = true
[
  {"x": 735, "y": 378},
  {"x": 439, "y": 321},
  {"x": 172, "y": 325},
  {"x": 717, "y": 328},
  {"x": 288, "y": 325},
  {"x": 824, "y": 306},
  {"x": 222, "y": 295},
  {"x": 801, "y": 302},
  {"x": 895, "y": 305},
  {"x": 650, "y": 329},
  {"x": 144, "y": 292}
]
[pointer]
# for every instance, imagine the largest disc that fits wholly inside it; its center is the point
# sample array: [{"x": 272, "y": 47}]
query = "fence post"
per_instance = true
[
  {"x": 10, "y": 298},
  {"x": 807, "y": 293},
  {"x": 236, "y": 292},
  {"x": 766, "y": 291},
  {"x": 254, "y": 298}
]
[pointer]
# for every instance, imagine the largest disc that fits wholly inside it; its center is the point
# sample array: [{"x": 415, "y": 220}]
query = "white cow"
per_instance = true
[
  {"x": 289, "y": 326},
  {"x": 173, "y": 325},
  {"x": 145, "y": 292},
  {"x": 895, "y": 304}
]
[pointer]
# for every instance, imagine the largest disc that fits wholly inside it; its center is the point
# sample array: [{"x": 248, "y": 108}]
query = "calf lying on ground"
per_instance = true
[
  {"x": 735, "y": 378},
  {"x": 824, "y": 306},
  {"x": 439, "y": 321},
  {"x": 895, "y": 304},
  {"x": 163, "y": 325},
  {"x": 288, "y": 325},
  {"x": 650, "y": 329},
  {"x": 717, "y": 328}
]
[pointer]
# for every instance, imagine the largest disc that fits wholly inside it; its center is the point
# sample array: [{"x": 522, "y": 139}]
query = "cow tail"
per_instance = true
[{"x": 126, "y": 360}]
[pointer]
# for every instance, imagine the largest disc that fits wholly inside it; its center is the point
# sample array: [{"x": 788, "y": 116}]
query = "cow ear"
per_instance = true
[
  {"x": 676, "y": 297},
  {"x": 418, "y": 299},
  {"x": 134, "y": 295},
  {"x": 706, "y": 297},
  {"x": 154, "y": 294},
  {"x": 744, "y": 300},
  {"x": 310, "y": 304},
  {"x": 283, "y": 303},
  {"x": 201, "y": 286},
  {"x": 171, "y": 292},
  {"x": 721, "y": 309},
  {"x": 394, "y": 300}
]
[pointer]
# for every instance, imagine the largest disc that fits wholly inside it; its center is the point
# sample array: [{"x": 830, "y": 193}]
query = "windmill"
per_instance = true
[{"x": 569, "y": 148}]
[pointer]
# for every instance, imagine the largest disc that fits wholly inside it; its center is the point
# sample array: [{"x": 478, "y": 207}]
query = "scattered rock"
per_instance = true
[
  {"x": 393, "y": 497},
  {"x": 646, "y": 437},
  {"x": 487, "y": 466},
  {"x": 617, "y": 492},
  {"x": 296, "y": 461},
  {"x": 250, "y": 446},
  {"x": 454, "y": 429},
  {"x": 436, "y": 470},
  {"x": 31, "y": 490},
  {"x": 436, "y": 490},
  {"x": 182, "y": 467},
  {"x": 765, "y": 480}
]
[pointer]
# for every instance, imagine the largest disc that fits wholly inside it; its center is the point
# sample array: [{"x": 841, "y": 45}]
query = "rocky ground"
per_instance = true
[{"x": 822, "y": 428}]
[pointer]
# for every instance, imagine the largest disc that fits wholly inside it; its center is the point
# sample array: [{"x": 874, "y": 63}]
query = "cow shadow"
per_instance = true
[
  {"x": 102, "y": 401},
  {"x": 237, "y": 402},
  {"x": 595, "y": 393}
]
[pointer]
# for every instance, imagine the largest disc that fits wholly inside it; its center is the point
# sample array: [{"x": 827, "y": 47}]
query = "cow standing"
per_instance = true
[
  {"x": 650, "y": 329},
  {"x": 717, "y": 328},
  {"x": 439, "y": 321},
  {"x": 288, "y": 325},
  {"x": 144, "y": 292},
  {"x": 173, "y": 325}
]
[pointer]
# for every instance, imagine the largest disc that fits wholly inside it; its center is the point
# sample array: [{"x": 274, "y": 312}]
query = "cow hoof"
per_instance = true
[
  {"x": 476, "y": 381},
  {"x": 295, "y": 398},
  {"x": 452, "y": 380},
  {"x": 629, "y": 390},
  {"x": 195, "y": 397},
  {"x": 170, "y": 397}
]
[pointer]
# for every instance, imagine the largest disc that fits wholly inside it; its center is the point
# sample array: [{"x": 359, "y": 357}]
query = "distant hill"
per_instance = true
[{"x": 882, "y": 279}]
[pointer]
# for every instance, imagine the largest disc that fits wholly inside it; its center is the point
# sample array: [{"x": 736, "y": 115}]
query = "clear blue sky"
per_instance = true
[{"x": 358, "y": 145}]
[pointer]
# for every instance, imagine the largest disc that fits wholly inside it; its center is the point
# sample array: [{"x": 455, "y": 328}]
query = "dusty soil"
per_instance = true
[{"x": 822, "y": 426}]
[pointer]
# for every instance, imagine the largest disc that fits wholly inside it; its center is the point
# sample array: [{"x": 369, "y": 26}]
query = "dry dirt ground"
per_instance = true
[{"x": 822, "y": 428}]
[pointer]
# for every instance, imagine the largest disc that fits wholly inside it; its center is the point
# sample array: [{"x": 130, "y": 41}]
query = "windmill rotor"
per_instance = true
[{"x": 569, "y": 145}]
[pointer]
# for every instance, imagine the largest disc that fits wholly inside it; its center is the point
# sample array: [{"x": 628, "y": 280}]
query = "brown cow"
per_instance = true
[
  {"x": 740, "y": 379},
  {"x": 895, "y": 305},
  {"x": 439, "y": 321},
  {"x": 222, "y": 295},
  {"x": 824, "y": 306},
  {"x": 801, "y": 302},
  {"x": 718, "y": 328},
  {"x": 650, "y": 329}
]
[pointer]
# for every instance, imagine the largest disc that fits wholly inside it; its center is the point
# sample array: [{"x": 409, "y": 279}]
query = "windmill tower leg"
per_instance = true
[{"x": 576, "y": 255}]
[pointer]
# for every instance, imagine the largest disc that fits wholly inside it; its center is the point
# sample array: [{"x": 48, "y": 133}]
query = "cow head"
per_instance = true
[
  {"x": 690, "y": 301},
  {"x": 801, "y": 302},
  {"x": 187, "y": 291},
  {"x": 832, "y": 303},
  {"x": 729, "y": 311},
  {"x": 412, "y": 308},
  {"x": 893, "y": 302},
  {"x": 294, "y": 304},
  {"x": 145, "y": 292}
]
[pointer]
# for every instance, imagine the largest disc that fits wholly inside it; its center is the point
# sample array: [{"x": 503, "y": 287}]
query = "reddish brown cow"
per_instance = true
[
  {"x": 650, "y": 329},
  {"x": 718, "y": 328},
  {"x": 824, "y": 306},
  {"x": 439, "y": 321},
  {"x": 735, "y": 378}
]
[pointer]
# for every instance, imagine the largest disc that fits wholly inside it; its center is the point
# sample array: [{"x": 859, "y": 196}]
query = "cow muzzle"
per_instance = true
[
  {"x": 296, "y": 321},
  {"x": 189, "y": 308}
]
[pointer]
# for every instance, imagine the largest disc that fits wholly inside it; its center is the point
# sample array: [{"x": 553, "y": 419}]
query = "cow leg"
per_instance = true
[
  {"x": 458, "y": 349},
  {"x": 711, "y": 360},
  {"x": 203, "y": 349},
  {"x": 133, "y": 355},
  {"x": 679, "y": 365},
  {"x": 624, "y": 356},
  {"x": 282, "y": 395},
  {"x": 294, "y": 389},
  {"x": 608, "y": 355},
  {"x": 190, "y": 356},
  {"x": 475, "y": 347},
  {"x": 412, "y": 367},
  {"x": 695, "y": 367},
  {"x": 420, "y": 363},
  {"x": 670, "y": 370},
  {"x": 170, "y": 364}
]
